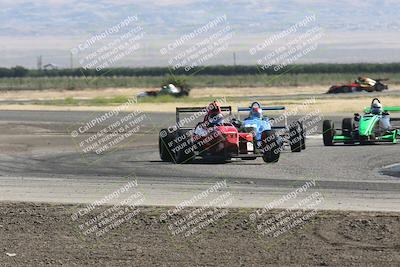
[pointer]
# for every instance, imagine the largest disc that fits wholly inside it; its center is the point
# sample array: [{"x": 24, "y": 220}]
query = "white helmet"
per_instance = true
[{"x": 376, "y": 108}]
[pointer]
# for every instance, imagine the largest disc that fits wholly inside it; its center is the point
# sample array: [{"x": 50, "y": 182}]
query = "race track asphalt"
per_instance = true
[{"x": 40, "y": 162}]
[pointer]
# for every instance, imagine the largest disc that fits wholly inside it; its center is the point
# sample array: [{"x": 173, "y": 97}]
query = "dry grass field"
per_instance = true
[{"x": 291, "y": 97}]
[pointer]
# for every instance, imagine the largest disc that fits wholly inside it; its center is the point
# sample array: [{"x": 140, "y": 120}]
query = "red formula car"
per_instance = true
[
  {"x": 362, "y": 84},
  {"x": 216, "y": 138}
]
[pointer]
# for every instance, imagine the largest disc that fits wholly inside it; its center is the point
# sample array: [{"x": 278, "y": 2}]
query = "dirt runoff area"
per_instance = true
[
  {"x": 46, "y": 234},
  {"x": 89, "y": 93}
]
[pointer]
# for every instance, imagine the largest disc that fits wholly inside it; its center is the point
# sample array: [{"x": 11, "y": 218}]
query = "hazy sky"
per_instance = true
[{"x": 350, "y": 31}]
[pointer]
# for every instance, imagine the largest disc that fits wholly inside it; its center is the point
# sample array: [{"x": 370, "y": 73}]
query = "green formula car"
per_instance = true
[{"x": 374, "y": 126}]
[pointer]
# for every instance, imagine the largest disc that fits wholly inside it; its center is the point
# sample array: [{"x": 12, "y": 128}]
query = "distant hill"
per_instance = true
[{"x": 356, "y": 31}]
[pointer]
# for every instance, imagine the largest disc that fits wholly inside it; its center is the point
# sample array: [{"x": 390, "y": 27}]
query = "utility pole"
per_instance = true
[
  {"x": 39, "y": 67},
  {"x": 71, "y": 60},
  {"x": 234, "y": 59},
  {"x": 39, "y": 62}
]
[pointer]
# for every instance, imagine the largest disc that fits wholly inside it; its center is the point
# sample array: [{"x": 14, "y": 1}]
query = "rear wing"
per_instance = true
[
  {"x": 387, "y": 109},
  {"x": 267, "y": 109},
  {"x": 200, "y": 110},
  {"x": 263, "y": 108},
  {"x": 393, "y": 109}
]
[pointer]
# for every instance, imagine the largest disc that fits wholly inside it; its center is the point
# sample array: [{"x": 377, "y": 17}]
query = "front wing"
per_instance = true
[{"x": 391, "y": 137}]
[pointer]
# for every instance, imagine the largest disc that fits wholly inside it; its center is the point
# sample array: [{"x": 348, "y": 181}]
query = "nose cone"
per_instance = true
[{"x": 367, "y": 125}]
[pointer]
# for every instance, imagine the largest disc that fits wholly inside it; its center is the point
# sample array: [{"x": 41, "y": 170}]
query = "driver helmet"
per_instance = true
[
  {"x": 256, "y": 112},
  {"x": 376, "y": 108},
  {"x": 216, "y": 119},
  {"x": 215, "y": 114}
]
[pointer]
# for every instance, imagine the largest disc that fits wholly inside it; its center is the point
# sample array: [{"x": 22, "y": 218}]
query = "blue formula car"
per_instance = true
[{"x": 288, "y": 135}]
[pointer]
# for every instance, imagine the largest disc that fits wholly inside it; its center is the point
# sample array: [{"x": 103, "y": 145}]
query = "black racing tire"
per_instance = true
[
  {"x": 183, "y": 152},
  {"x": 364, "y": 141},
  {"x": 332, "y": 90},
  {"x": 295, "y": 137},
  {"x": 165, "y": 152},
  {"x": 182, "y": 157},
  {"x": 346, "y": 89},
  {"x": 252, "y": 158},
  {"x": 328, "y": 132},
  {"x": 303, "y": 135},
  {"x": 379, "y": 87},
  {"x": 340, "y": 90},
  {"x": 348, "y": 129},
  {"x": 271, "y": 149},
  {"x": 181, "y": 94}
]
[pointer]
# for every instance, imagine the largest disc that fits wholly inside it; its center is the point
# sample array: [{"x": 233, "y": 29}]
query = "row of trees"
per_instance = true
[{"x": 357, "y": 68}]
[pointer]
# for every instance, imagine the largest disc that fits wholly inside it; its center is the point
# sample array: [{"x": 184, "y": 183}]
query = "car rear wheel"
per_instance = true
[
  {"x": 295, "y": 137},
  {"x": 347, "y": 129},
  {"x": 328, "y": 132},
  {"x": 271, "y": 149},
  {"x": 364, "y": 140},
  {"x": 164, "y": 150},
  {"x": 251, "y": 158},
  {"x": 183, "y": 150},
  {"x": 379, "y": 87},
  {"x": 183, "y": 156},
  {"x": 303, "y": 136},
  {"x": 346, "y": 89}
]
